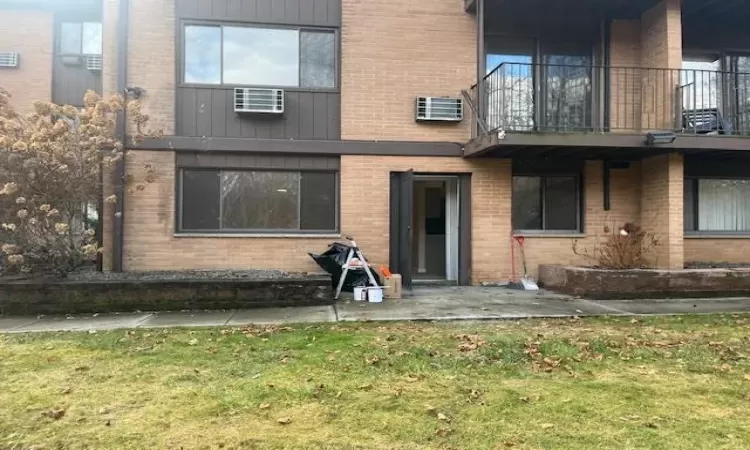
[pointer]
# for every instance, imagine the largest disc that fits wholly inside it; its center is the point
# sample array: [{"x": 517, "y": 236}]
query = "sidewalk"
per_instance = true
[{"x": 439, "y": 303}]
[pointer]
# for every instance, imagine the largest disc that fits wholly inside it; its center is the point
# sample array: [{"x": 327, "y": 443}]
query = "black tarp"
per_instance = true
[{"x": 332, "y": 261}]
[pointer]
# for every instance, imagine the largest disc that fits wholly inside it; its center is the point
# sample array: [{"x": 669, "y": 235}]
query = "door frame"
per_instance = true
[
  {"x": 452, "y": 221},
  {"x": 401, "y": 216}
]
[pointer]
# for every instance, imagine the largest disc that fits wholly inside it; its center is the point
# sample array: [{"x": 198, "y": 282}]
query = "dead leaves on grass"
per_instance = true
[
  {"x": 470, "y": 342},
  {"x": 54, "y": 414}
]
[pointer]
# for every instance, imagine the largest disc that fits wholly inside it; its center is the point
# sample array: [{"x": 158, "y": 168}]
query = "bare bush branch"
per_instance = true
[
  {"x": 625, "y": 247},
  {"x": 50, "y": 166}
]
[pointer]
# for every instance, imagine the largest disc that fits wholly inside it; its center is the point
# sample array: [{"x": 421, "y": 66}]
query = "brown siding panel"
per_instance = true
[
  {"x": 334, "y": 11},
  {"x": 70, "y": 82},
  {"x": 334, "y": 117},
  {"x": 320, "y": 12},
  {"x": 320, "y": 115},
  {"x": 258, "y": 161},
  {"x": 292, "y": 12},
  {"x": 203, "y": 112},
  {"x": 186, "y": 125},
  {"x": 219, "y": 111},
  {"x": 306, "y": 112},
  {"x": 306, "y": 11},
  {"x": 210, "y": 112},
  {"x": 283, "y": 12}
]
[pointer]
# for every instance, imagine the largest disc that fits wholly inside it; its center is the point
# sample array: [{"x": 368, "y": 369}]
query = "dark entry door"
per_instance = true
[{"x": 402, "y": 207}]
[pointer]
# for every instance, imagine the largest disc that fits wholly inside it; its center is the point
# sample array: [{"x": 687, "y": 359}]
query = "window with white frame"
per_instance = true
[
  {"x": 717, "y": 205},
  {"x": 259, "y": 56},
  {"x": 80, "y": 38}
]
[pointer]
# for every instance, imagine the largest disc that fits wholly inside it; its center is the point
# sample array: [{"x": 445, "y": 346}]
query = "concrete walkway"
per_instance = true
[{"x": 438, "y": 303}]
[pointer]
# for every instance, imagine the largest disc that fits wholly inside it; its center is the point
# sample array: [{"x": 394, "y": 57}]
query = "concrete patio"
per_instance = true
[{"x": 427, "y": 303}]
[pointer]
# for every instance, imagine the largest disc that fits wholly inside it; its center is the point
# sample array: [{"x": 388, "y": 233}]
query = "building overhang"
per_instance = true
[
  {"x": 294, "y": 146},
  {"x": 598, "y": 145}
]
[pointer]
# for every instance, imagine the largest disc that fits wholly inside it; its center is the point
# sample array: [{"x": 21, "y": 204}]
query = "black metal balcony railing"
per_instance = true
[{"x": 564, "y": 98}]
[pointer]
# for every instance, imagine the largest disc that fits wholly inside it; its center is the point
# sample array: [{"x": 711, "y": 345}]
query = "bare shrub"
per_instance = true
[
  {"x": 51, "y": 164},
  {"x": 626, "y": 247}
]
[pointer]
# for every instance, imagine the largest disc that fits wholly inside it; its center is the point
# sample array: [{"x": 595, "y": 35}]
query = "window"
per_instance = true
[
  {"x": 249, "y": 200},
  {"x": 546, "y": 203},
  {"x": 260, "y": 56},
  {"x": 717, "y": 205},
  {"x": 80, "y": 38}
]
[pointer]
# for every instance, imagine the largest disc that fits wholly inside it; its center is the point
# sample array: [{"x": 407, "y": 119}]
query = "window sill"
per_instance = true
[
  {"x": 228, "y": 86},
  {"x": 709, "y": 235},
  {"x": 551, "y": 234},
  {"x": 258, "y": 235}
]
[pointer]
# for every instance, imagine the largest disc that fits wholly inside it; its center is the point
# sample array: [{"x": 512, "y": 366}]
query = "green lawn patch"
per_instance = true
[{"x": 614, "y": 383}]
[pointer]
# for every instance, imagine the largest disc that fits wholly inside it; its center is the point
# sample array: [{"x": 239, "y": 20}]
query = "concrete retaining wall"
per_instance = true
[
  {"x": 23, "y": 297},
  {"x": 645, "y": 283}
]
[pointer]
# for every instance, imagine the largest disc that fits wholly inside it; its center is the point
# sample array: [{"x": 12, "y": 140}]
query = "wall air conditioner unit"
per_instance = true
[
  {"x": 441, "y": 109},
  {"x": 8, "y": 59},
  {"x": 94, "y": 63},
  {"x": 258, "y": 101}
]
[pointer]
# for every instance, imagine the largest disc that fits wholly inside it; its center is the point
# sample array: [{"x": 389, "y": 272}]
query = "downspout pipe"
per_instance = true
[
  {"x": 122, "y": 83},
  {"x": 481, "y": 65}
]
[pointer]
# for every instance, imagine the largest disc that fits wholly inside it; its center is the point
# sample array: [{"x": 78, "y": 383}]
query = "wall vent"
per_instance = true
[
  {"x": 261, "y": 101},
  {"x": 8, "y": 59},
  {"x": 94, "y": 63},
  {"x": 441, "y": 109}
]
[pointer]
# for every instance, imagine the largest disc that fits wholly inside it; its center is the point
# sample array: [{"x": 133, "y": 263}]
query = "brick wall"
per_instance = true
[
  {"x": 29, "y": 33},
  {"x": 662, "y": 207},
  {"x": 625, "y": 83},
  {"x": 731, "y": 250},
  {"x": 625, "y": 194},
  {"x": 151, "y": 66},
  {"x": 394, "y": 51},
  {"x": 661, "y": 47},
  {"x": 365, "y": 206},
  {"x": 643, "y": 99},
  {"x": 151, "y": 56},
  {"x": 150, "y": 243},
  {"x": 661, "y": 35}
]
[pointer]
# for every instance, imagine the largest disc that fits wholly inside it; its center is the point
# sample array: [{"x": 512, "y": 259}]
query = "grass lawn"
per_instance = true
[{"x": 656, "y": 383}]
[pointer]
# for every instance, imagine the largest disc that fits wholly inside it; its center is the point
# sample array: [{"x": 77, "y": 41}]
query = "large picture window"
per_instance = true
[
  {"x": 214, "y": 200},
  {"x": 546, "y": 203},
  {"x": 717, "y": 205},
  {"x": 257, "y": 56}
]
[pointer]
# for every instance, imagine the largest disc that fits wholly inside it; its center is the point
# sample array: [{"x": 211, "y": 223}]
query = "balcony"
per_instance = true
[{"x": 623, "y": 103}]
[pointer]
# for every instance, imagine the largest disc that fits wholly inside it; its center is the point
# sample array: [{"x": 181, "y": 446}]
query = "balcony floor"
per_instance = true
[{"x": 598, "y": 145}]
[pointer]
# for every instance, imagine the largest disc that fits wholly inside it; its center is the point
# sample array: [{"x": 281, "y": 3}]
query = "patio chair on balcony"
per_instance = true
[{"x": 705, "y": 121}]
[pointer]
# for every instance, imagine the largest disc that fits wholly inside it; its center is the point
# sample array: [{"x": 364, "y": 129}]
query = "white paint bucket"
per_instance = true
[
  {"x": 375, "y": 295},
  {"x": 360, "y": 294}
]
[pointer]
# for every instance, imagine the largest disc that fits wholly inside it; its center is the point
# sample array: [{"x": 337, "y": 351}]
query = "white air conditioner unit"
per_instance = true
[
  {"x": 441, "y": 109},
  {"x": 259, "y": 101},
  {"x": 8, "y": 59},
  {"x": 94, "y": 63}
]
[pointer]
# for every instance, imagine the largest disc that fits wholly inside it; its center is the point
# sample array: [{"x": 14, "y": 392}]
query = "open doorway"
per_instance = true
[
  {"x": 430, "y": 227},
  {"x": 435, "y": 228}
]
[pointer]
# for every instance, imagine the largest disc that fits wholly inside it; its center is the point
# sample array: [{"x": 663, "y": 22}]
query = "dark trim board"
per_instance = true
[
  {"x": 320, "y": 147},
  {"x": 258, "y": 161},
  {"x": 277, "y": 12},
  {"x": 596, "y": 143}
]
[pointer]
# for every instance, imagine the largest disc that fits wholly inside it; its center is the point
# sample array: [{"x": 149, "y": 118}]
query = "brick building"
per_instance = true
[{"x": 431, "y": 130}]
